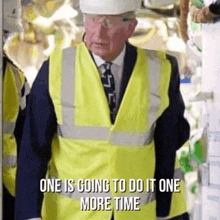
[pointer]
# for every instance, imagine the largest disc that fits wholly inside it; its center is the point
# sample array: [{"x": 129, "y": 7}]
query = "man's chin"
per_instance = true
[{"x": 103, "y": 53}]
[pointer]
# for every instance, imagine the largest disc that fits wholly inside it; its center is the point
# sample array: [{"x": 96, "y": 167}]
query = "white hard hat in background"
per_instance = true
[
  {"x": 109, "y": 6},
  {"x": 11, "y": 14}
]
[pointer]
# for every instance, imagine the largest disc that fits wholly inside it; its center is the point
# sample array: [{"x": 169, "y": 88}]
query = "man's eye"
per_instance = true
[{"x": 125, "y": 20}]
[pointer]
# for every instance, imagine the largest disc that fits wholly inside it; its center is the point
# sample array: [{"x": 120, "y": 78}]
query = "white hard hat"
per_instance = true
[
  {"x": 11, "y": 16},
  {"x": 110, "y": 7}
]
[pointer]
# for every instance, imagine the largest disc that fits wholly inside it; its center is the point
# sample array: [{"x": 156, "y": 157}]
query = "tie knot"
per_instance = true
[{"x": 107, "y": 65}]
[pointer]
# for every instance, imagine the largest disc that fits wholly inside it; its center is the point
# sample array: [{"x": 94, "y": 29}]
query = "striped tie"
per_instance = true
[{"x": 109, "y": 87}]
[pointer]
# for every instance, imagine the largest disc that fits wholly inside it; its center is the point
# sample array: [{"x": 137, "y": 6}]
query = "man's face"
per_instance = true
[{"x": 105, "y": 35}]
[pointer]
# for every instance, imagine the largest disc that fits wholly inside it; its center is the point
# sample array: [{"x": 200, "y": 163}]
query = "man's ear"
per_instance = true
[{"x": 131, "y": 27}]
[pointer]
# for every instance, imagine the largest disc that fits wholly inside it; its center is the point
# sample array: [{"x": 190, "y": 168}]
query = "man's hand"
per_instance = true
[{"x": 202, "y": 15}]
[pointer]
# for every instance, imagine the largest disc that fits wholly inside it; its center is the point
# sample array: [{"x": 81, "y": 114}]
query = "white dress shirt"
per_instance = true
[{"x": 116, "y": 68}]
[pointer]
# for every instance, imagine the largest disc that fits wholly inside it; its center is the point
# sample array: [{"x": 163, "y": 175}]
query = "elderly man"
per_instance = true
[{"x": 103, "y": 110}]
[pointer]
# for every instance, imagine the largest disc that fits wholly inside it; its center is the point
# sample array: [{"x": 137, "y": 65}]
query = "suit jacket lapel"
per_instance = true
[{"x": 129, "y": 62}]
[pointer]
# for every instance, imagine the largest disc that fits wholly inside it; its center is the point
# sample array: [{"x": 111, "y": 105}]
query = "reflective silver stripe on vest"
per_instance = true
[
  {"x": 8, "y": 127},
  {"x": 161, "y": 218},
  {"x": 121, "y": 138},
  {"x": 145, "y": 197},
  {"x": 69, "y": 129},
  {"x": 9, "y": 161},
  {"x": 154, "y": 74},
  {"x": 72, "y": 131}
]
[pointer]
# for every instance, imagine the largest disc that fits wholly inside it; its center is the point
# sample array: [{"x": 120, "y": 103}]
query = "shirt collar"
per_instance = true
[{"x": 117, "y": 61}]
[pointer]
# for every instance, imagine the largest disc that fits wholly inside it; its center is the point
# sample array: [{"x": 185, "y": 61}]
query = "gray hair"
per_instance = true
[{"x": 128, "y": 16}]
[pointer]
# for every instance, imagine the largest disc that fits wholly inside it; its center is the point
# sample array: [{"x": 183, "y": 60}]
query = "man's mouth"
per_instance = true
[{"x": 101, "y": 43}]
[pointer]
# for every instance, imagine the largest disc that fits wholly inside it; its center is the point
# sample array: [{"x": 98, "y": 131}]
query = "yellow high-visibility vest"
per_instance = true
[
  {"x": 88, "y": 146},
  {"x": 12, "y": 85}
]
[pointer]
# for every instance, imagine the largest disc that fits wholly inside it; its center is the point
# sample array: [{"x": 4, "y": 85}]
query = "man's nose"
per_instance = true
[
  {"x": 103, "y": 21},
  {"x": 101, "y": 29}
]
